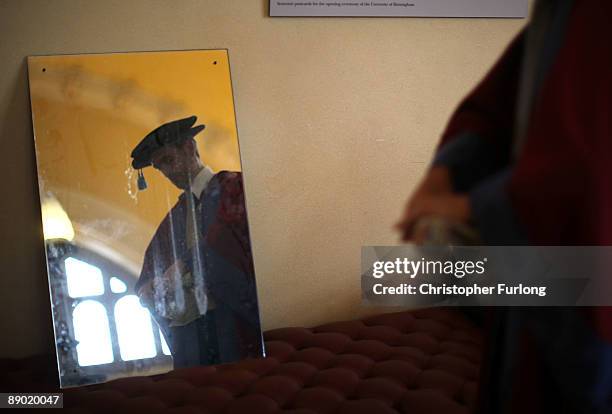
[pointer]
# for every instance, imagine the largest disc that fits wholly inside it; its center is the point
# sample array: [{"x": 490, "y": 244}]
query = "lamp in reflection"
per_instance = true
[{"x": 56, "y": 224}]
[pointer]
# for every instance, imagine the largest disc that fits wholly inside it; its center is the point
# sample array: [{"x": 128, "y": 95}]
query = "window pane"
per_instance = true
[
  {"x": 93, "y": 334},
  {"x": 164, "y": 344},
  {"x": 83, "y": 278},
  {"x": 134, "y": 329},
  {"x": 117, "y": 285}
]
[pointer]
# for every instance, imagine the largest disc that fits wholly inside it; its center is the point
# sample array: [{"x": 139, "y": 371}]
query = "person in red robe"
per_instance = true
[
  {"x": 197, "y": 277},
  {"x": 525, "y": 160}
]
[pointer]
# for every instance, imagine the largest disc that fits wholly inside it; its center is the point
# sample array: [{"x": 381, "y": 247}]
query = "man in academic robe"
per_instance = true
[
  {"x": 197, "y": 277},
  {"x": 525, "y": 159}
]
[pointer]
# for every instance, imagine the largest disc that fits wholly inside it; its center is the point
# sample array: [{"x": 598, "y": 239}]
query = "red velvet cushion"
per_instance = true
[{"x": 425, "y": 361}]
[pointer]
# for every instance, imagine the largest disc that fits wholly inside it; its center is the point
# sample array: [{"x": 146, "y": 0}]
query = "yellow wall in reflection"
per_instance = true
[{"x": 91, "y": 110}]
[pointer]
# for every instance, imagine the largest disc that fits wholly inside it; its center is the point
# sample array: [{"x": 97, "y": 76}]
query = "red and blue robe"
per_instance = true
[
  {"x": 226, "y": 260},
  {"x": 555, "y": 188}
]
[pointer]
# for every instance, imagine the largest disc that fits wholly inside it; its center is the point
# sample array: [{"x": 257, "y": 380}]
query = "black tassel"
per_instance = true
[{"x": 142, "y": 183}]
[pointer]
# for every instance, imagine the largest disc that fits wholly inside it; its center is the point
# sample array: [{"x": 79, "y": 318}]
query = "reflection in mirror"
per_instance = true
[{"x": 144, "y": 219}]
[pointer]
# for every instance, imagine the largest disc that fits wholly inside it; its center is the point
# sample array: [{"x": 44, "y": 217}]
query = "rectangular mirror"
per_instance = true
[{"x": 145, "y": 225}]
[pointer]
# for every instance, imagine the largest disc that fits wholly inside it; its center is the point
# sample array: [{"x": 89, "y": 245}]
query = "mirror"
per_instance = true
[{"x": 142, "y": 197}]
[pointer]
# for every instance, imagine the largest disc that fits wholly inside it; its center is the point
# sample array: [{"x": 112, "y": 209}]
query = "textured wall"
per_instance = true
[{"x": 337, "y": 120}]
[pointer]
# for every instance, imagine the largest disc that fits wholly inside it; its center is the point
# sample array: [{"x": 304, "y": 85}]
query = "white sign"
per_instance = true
[{"x": 399, "y": 8}]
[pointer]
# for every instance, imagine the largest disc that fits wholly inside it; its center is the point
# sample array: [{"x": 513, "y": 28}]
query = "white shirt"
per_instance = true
[
  {"x": 200, "y": 181},
  {"x": 189, "y": 305}
]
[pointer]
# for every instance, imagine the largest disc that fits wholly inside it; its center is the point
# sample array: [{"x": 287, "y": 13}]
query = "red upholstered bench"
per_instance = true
[{"x": 424, "y": 361}]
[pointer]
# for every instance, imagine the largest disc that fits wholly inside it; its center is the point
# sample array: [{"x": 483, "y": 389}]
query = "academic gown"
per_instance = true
[
  {"x": 538, "y": 171},
  {"x": 225, "y": 259}
]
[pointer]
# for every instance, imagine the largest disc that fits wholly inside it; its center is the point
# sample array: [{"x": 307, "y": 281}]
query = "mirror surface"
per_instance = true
[{"x": 142, "y": 198}]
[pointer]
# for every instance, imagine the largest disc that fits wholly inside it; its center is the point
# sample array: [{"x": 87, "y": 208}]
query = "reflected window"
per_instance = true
[
  {"x": 92, "y": 332},
  {"x": 164, "y": 344},
  {"x": 110, "y": 324},
  {"x": 134, "y": 329},
  {"x": 117, "y": 285},
  {"x": 83, "y": 279}
]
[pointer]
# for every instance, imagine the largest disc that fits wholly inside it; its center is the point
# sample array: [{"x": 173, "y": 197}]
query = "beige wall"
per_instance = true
[{"x": 337, "y": 120}]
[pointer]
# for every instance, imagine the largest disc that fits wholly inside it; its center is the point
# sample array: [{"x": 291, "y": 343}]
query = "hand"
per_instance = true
[
  {"x": 145, "y": 294},
  {"x": 436, "y": 181},
  {"x": 174, "y": 272},
  {"x": 433, "y": 197}
]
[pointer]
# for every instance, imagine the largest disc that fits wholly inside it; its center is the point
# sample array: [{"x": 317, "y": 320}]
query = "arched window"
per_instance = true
[
  {"x": 134, "y": 329},
  {"x": 115, "y": 335},
  {"x": 83, "y": 279},
  {"x": 92, "y": 332}
]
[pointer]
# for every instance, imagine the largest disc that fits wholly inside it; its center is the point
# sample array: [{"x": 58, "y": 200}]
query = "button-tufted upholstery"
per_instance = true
[{"x": 425, "y": 361}]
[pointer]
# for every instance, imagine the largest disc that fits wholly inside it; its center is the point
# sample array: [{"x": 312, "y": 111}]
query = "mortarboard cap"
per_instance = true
[{"x": 172, "y": 132}]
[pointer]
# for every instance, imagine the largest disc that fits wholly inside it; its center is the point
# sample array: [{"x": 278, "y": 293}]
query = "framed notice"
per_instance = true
[{"x": 399, "y": 8}]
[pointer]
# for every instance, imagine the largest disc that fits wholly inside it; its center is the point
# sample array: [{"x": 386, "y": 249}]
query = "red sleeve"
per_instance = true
[
  {"x": 568, "y": 144},
  {"x": 488, "y": 111},
  {"x": 229, "y": 232}
]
